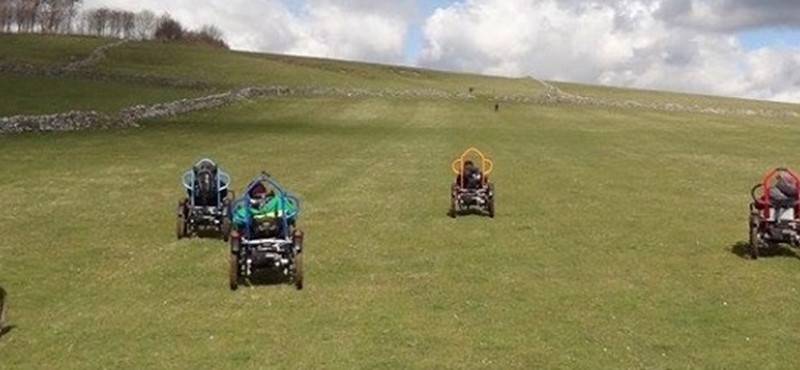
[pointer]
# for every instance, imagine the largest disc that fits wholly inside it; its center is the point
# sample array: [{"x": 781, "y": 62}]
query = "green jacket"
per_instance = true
[{"x": 270, "y": 209}]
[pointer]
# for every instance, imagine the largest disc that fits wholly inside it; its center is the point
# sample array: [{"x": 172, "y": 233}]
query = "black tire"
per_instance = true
[
  {"x": 225, "y": 229},
  {"x": 491, "y": 207},
  {"x": 233, "y": 271},
  {"x": 2, "y": 309},
  {"x": 298, "y": 271},
  {"x": 180, "y": 225},
  {"x": 755, "y": 240},
  {"x": 453, "y": 212},
  {"x": 233, "y": 265}
]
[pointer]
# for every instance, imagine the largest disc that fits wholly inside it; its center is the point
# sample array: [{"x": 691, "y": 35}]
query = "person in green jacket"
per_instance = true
[{"x": 265, "y": 208}]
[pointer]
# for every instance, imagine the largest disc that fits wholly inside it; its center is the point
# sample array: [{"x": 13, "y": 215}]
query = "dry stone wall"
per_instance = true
[
  {"x": 69, "y": 121},
  {"x": 128, "y": 117}
]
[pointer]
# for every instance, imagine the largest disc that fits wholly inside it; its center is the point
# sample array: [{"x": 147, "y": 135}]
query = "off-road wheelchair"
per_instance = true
[
  {"x": 471, "y": 191},
  {"x": 265, "y": 239},
  {"x": 774, "y": 212},
  {"x": 207, "y": 203}
]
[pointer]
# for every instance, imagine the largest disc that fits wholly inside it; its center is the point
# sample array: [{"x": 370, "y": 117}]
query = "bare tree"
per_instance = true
[
  {"x": 65, "y": 16},
  {"x": 82, "y": 23},
  {"x": 51, "y": 14},
  {"x": 211, "y": 35},
  {"x": 5, "y": 15},
  {"x": 169, "y": 29},
  {"x": 27, "y": 12},
  {"x": 115, "y": 23},
  {"x": 71, "y": 12},
  {"x": 98, "y": 21},
  {"x": 211, "y": 31},
  {"x": 128, "y": 24},
  {"x": 18, "y": 14},
  {"x": 145, "y": 24}
]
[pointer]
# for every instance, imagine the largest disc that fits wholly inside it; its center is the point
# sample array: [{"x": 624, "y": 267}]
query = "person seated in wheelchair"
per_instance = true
[
  {"x": 783, "y": 193},
  {"x": 266, "y": 208},
  {"x": 205, "y": 183},
  {"x": 471, "y": 179}
]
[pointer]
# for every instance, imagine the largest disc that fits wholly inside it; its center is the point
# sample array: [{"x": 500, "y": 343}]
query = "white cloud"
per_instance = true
[
  {"x": 357, "y": 29},
  {"x": 329, "y": 30},
  {"x": 730, "y": 15},
  {"x": 618, "y": 42},
  {"x": 683, "y": 45}
]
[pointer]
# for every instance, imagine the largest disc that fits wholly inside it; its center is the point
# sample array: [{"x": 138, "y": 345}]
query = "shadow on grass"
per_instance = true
[
  {"x": 208, "y": 233},
  {"x": 267, "y": 278},
  {"x": 742, "y": 249},
  {"x": 6, "y": 329},
  {"x": 474, "y": 212}
]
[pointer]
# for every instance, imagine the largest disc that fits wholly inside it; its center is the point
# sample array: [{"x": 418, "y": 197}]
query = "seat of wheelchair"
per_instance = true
[
  {"x": 189, "y": 180},
  {"x": 270, "y": 228},
  {"x": 221, "y": 182},
  {"x": 470, "y": 188}
]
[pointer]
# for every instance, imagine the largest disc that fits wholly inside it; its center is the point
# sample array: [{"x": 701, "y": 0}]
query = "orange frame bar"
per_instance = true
[{"x": 458, "y": 165}]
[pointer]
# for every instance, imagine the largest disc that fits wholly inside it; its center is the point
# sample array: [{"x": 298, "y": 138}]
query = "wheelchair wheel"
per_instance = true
[
  {"x": 225, "y": 229},
  {"x": 2, "y": 309},
  {"x": 755, "y": 239},
  {"x": 180, "y": 225},
  {"x": 298, "y": 271},
  {"x": 453, "y": 206},
  {"x": 233, "y": 265},
  {"x": 225, "y": 225}
]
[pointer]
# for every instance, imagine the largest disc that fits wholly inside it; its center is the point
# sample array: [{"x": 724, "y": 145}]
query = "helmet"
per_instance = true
[
  {"x": 470, "y": 167},
  {"x": 258, "y": 193}
]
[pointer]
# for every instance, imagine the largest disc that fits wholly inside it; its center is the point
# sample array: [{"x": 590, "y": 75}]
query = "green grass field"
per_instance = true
[
  {"x": 613, "y": 245},
  {"x": 44, "y": 95},
  {"x": 47, "y": 49}
]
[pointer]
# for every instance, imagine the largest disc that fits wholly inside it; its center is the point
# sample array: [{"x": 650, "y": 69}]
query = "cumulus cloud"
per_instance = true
[
  {"x": 682, "y": 45},
  {"x": 360, "y": 30},
  {"x": 634, "y": 43},
  {"x": 730, "y": 15},
  {"x": 354, "y": 29}
]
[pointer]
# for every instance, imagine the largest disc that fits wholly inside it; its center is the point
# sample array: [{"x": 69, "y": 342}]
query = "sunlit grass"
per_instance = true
[
  {"x": 613, "y": 245},
  {"x": 611, "y": 248}
]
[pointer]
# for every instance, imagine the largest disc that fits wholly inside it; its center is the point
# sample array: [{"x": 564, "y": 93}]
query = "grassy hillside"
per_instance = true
[
  {"x": 613, "y": 247},
  {"x": 237, "y": 68},
  {"x": 47, "y": 49},
  {"x": 661, "y": 97},
  {"x": 45, "y": 95}
]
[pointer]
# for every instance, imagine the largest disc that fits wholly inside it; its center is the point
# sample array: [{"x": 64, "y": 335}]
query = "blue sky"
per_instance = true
[{"x": 769, "y": 36}]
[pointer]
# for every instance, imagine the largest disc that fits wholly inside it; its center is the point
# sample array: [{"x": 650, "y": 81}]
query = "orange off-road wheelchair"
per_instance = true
[{"x": 471, "y": 191}]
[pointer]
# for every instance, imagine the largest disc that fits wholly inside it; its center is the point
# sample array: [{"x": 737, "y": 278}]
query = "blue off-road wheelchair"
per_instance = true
[
  {"x": 265, "y": 239},
  {"x": 207, "y": 203}
]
